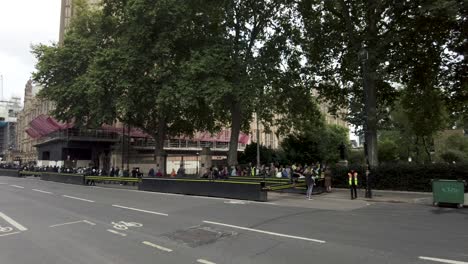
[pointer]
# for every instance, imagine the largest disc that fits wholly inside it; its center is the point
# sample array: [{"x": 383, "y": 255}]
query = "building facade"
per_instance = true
[
  {"x": 9, "y": 110},
  {"x": 33, "y": 107}
]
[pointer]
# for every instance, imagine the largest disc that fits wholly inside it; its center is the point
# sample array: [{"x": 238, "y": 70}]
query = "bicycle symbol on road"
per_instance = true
[
  {"x": 121, "y": 225},
  {"x": 5, "y": 229}
]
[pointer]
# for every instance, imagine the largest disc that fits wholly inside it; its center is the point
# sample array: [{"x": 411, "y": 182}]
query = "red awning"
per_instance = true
[
  {"x": 45, "y": 125},
  {"x": 33, "y": 133}
]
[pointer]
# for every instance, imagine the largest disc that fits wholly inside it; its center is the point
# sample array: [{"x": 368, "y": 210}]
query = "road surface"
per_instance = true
[{"x": 47, "y": 222}]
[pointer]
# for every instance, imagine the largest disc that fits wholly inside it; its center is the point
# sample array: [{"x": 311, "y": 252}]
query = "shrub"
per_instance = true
[
  {"x": 452, "y": 155},
  {"x": 403, "y": 176}
]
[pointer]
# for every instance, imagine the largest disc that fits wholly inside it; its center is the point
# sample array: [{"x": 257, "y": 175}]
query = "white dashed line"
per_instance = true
[
  {"x": 13, "y": 222},
  {"x": 204, "y": 261},
  {"x": 89, "y": 222},
  {"x": 157, "y": 246},
  {"x": 117, "y": 233},
  {"x": 443, "y": 260},
  {"x": 266, "y": 232},
  {"x": 69, "y": 223},
  {"x": 17, "y": 186},
  {"x": 41, "y": 191},
  {"x": 12, "y": 233},
  {"x": 77, "y": 198},
  {"x": 74, "y": 222},
  {"x": 139, "y": 210}
]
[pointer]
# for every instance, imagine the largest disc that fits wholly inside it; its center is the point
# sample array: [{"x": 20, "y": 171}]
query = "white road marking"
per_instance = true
[
  {"x": 17, "y": 186},
  {"x": 117, "y": 233},
  {"x": 69, "y": 223},
  {"x": 74, "y": 222},
  {"x": 443, "y": 260},
  {"x": 157, "y": 246},
  {"x": 139, "y": 210},
  {"x": 2, "y": 183},
  {"x": 41, "y": 191},
  {"x": 89, "y": 222},
  {"x": 12, "y": 233},
  {"x": 235, "y": 202},
  {"x": 204, "y": 261},
  {"x": 266, "y": 232},
  {"x": 77, "y": 198},
  {"x": 13, "y": 222}
]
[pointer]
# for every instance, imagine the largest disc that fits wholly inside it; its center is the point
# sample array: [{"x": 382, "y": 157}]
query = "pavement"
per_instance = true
[{"x": 48, "y": 222}]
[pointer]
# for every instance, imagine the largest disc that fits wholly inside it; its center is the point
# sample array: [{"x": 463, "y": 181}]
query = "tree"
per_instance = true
[
  {"x": 63, "y": 71},
  {"x": 401, "y": 38},
  {"x": 317, "y": 144},
  {"x": 126, "y": 60},
  {"x": 388, "y": 151},
  {"x": 453, "y": 148},
  {"x": 249, "y": 64},
  {"x": 154, "y": 41},
  {"x": 267, "y": 155},
  {"x": 455, "y": 72}
]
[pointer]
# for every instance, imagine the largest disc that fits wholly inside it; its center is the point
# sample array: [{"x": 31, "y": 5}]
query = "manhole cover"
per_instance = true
[{"x": 198, "y": 235}]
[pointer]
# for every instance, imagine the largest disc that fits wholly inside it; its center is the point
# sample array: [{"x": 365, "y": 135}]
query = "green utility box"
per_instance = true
[{"x": 448, "y": 191}]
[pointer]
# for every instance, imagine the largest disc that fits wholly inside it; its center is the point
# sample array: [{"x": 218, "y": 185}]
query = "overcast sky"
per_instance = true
[{"x": 22, "y": 23}]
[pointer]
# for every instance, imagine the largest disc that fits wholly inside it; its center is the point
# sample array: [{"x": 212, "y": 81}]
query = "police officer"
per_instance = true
[{"x": 353, "y": 182}]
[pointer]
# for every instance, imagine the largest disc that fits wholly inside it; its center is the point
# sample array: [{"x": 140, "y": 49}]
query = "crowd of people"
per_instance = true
[{"x": 309, "y": 173}]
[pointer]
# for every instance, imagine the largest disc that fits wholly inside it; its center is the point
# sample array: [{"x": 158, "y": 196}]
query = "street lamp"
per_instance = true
[{"x": 198, "y": 174}]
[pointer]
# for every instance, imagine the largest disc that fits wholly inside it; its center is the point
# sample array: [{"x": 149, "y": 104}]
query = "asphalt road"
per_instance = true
[{"x": 47, "y": 222}]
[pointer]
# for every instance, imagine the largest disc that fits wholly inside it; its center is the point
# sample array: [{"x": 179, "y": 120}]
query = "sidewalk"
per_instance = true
[
  {"x": 384, "y": 196},
  {"x": 343, "y": 196}
]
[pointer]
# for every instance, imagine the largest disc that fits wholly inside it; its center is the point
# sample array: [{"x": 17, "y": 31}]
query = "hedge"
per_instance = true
[{"x": 404, "y": 176}]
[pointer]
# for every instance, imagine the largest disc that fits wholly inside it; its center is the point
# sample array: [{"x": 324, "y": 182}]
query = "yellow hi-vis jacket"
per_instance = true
[{"x": 351, "y": 177}]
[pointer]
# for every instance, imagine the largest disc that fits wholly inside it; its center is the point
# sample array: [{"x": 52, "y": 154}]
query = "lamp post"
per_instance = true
[
  {"x": 198, "y": 173},
  {"x": 258, "y": 140}
]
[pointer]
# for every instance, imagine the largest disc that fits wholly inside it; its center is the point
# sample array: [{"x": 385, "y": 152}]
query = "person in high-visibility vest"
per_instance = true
[{"x": 353, "y": 182}]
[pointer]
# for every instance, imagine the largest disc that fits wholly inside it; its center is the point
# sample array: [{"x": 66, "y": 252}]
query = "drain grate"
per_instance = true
[{"x": 199, "y": 235}]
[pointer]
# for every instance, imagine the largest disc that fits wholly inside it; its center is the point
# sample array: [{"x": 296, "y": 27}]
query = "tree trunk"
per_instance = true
[
  {"x": 426, "y": 149},
  {"x": 417, "y": 149},
  {"x": 236, "y": 118},
  {"x": 370, "y": 72},
  {"x": 159, "y": 153}
]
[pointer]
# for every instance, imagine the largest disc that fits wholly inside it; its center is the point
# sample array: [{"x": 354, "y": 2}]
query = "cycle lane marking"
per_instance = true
[
  {"x": 13, "y": 222},
  {"x": 12, "y": 233}
]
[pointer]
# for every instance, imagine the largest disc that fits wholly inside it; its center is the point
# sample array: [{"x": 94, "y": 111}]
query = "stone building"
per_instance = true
[{"x": 33, "y": 107}]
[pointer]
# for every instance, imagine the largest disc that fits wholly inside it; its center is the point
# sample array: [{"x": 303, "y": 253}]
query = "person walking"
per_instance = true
[
  {"x": 353, "y": 182},
  {"x": 310, "y": 181}
]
